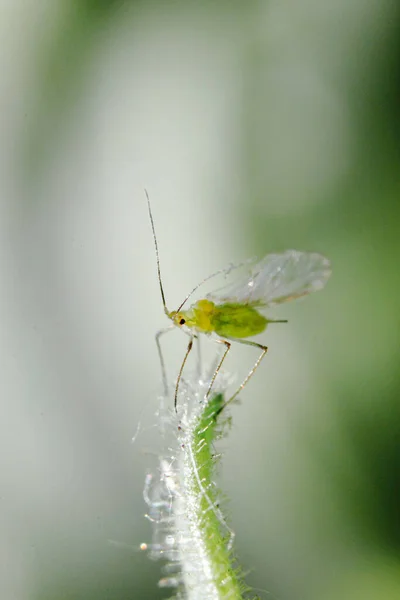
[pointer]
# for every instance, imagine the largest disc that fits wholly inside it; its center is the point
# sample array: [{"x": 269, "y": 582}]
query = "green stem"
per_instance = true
[
  {"x": 214, "y": 573},
  {"x": 190, "y": 528}
]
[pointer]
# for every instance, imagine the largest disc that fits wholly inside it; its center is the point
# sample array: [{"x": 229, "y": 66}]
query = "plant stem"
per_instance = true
[{"x": 190, "y": 528}]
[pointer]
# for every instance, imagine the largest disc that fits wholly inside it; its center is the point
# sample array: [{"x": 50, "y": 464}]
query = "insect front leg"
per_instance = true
[
  {"x": 161, "y": 357},
  {"x": 251, "y": 373},
  {"x": 189, "y": 348}
]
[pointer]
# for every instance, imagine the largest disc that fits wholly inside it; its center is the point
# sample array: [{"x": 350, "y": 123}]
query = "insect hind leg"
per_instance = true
[{"x": 264, "y": 350}]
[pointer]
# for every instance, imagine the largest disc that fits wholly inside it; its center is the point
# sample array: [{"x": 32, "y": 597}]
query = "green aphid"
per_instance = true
[{"x": 234, "y": 312}]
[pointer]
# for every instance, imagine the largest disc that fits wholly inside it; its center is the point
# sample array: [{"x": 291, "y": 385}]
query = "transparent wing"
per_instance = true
[{"x": 277, "y": 278}]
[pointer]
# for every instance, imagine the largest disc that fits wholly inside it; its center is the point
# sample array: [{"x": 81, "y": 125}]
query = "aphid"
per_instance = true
[{"x": 234, "y": 313}]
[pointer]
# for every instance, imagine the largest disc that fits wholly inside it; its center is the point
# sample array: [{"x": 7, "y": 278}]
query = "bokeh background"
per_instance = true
[{"x": 255, "y": 126}]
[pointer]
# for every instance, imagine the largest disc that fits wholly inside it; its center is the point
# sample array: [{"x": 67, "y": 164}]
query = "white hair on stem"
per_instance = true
[{"x": 190, "y": 531}]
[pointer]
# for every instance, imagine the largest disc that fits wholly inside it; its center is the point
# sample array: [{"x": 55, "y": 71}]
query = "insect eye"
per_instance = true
[{"x": 182, "y": 322}]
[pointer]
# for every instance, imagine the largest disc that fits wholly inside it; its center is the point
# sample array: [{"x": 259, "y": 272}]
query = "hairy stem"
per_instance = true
[
  {"x": 214, "y": 575},
  {"x": 190, "y": 529}
]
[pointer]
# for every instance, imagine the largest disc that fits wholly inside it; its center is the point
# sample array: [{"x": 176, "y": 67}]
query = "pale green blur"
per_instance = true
[{"x": 256, "y": 127}]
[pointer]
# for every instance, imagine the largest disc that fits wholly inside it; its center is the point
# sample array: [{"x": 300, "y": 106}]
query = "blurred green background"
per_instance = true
[{"x": 255, "y": 126}]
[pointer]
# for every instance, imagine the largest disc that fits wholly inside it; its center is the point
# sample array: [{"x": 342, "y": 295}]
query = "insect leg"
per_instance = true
[
  {"x": 199, "y": 361},
  {"x": 217, "y": 370},
  {"x": 190, "y": 346},
  {"x": 161, "y": 357},
  {"x": 251, "y": 373}
]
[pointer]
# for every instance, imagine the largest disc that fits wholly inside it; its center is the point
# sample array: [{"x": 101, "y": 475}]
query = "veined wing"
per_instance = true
[{"x": 277, "y": 278}]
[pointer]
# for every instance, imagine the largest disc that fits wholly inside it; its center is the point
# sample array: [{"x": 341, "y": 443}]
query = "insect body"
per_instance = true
[
  {"x": 234, "y": 313},
  {"x": 226, "y": 320}
]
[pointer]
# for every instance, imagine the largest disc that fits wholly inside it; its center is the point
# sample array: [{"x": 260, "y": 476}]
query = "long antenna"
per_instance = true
[
  {"x": 157, "y": 255},
  {"x": 199, "y": 284},
  {"x": 226, "y": 271}
]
